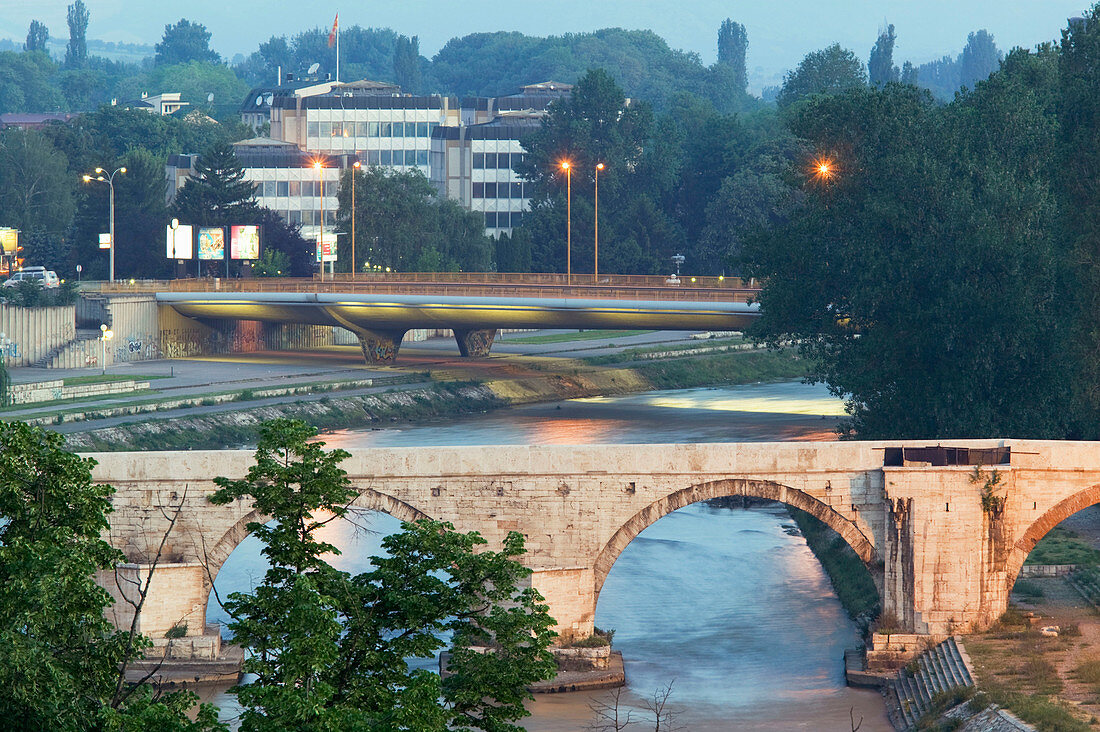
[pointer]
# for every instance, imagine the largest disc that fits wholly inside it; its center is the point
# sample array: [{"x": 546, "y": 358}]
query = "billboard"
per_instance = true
[
  {"x": 181, "y": 242},
  {"x": 211, "y": 242},
  {"x": 104, "y": 241},
  {"x": 329, "y": 247},
  {"x": 244, "y": 242},
  {"x": 9, "y": 241}
]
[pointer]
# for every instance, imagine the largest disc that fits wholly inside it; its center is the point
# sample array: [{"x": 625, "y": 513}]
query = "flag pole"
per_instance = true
[{"x": 337, "y": 50}]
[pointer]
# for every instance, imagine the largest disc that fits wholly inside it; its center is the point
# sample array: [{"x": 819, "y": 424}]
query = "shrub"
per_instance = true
[{"x": 177, "y": 631}]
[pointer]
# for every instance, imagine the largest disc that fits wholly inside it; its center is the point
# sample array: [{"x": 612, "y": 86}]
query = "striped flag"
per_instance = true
[{"x": 332, "y": 33}]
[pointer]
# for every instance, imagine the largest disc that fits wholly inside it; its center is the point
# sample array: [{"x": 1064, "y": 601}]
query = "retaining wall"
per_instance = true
[{"x": 31, "y": 333}]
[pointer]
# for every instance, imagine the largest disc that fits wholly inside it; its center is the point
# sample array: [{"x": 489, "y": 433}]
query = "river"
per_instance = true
[{"x": 729, "y": 606}]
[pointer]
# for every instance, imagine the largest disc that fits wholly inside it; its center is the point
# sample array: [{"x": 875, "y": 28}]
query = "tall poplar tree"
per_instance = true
[
  {"x": 733, "y": 42},
  {"x": 37, "y": 35},
  {"x": 76, "y": 54},
  {"x": 881, "y": 67},
  {"x": 406, "y": 63}
]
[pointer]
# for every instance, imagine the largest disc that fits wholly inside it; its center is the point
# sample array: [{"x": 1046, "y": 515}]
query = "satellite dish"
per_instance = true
[
  {"x": 210, "y": 97},
  {"x": 313, "y": 69},
  {"x": 260, "y": 100}
]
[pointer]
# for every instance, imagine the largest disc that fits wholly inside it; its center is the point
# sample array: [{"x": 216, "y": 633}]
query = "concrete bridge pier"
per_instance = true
[
  {"x": 475, "y": 342},
  {"x": 379, "y": 346}
]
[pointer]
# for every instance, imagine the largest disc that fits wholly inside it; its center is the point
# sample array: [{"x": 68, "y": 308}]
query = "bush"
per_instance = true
[
  {"x": 177, "y": 631},
  {"x": 1028, "y": 589}
]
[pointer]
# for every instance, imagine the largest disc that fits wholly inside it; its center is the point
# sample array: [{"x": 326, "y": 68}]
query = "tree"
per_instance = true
[
  {"x": 402, "y": 223},
  {"x": 733, "y": 42},
  {"x": 331, "y": 651},
  {"x": 285, "y": 252},
  {"x": 36, "y": 190},
  {"x": 881, "y": 65},
  {"x": 37, "y": 35},
  {"x": 980, "y": 58},
  {"x": 26, "y": 83},
  {"x": 140, "y": 216},
  {"x": 76, "y": 53},
  {"x": 406, "y": 63},
  {"x": 217, "y": 194},
  {"x": 829, "y": 71},
  {"x": 183, "y": 43},
  {"x": 62, "y": 665}
]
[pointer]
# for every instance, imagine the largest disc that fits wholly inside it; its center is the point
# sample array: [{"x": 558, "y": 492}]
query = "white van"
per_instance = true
[{"x": 47, "y": 277}]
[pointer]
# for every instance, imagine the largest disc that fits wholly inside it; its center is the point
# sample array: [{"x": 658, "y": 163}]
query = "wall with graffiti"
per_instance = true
[{"x": 31, "y": 334}]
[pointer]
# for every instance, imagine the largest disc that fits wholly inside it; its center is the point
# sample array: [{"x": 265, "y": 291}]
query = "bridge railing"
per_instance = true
[{"x": 643, "y": 288}]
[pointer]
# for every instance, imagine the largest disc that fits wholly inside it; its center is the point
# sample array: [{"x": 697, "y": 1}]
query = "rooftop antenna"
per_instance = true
[
  {"x": 313, "y": 68},
  {"x": 210, "y": 98}
]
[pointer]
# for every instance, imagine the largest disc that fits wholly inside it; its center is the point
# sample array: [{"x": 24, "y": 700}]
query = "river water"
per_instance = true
[{"x": 727, "y": 605}]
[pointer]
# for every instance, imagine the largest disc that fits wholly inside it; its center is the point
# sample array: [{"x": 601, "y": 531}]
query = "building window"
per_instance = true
[
  {"x": 479, "y": 161},
  {"x": 490, "y": 220},
  {"x": 311, "y": 129},
  {"x": 384, "y": 157},
  {"x": 294, "y": 216},
  {"x": 295, "y": 188},
  {"x": 372, "y": 129},
  {"x": 490, "y": 190},
  {"x": 269, "y": 189},
  {"x": 282, "y": 189},
  {"x": 325, "y": 129},
  {"x": 479, "y": 190},
  {"x": 361, "y": 129},
  {"x": 502, "y": 162},
  {"x": 517, "y": 218},
  {"x": 373, "y": 157},
  {"x": 385, "y": 129},
  {"x": 421, "y": 129},
  {"x": 421, "y": 157},
  {"x": 517, "y": 190},
  {"x": 410, "y": 157},
  {"x": 410, "y": 129},
  {"x": 337, "y": 130},
  {"x": 490, "y": 160}
]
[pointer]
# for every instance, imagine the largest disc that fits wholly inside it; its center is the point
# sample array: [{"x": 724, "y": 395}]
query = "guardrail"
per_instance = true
[{"x": 645, "y": 289}]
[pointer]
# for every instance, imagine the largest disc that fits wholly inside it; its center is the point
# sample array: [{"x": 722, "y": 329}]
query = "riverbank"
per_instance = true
[{"x": 448, "y": 393}]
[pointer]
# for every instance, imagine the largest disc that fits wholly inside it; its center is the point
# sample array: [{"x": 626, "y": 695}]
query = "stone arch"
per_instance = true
[
  {"x": 368, "y": 498},
  {"x": 1041, "y": 527},
  {"x": 769, "y": 490}
]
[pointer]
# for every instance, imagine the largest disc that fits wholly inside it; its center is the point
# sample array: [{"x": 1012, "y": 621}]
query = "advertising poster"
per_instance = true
[
  {"x": 244, "y": 242},
  {"x": 9, "y": 241},
  {"x": 329, "y": 248},
  {"x": 180, "y": 244},
  {"x": 211, "y": 242}
]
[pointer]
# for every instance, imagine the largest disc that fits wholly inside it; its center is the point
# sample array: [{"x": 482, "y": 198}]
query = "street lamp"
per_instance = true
[
  {"x": 321, "y": 229},
  {"x": 105, "y": 335},
  {"x": 596, "y": 253},
  {"x": 565, "y": 165},
  {"x": 354, "y": 178},
  {"x": 103, "y": 176}
]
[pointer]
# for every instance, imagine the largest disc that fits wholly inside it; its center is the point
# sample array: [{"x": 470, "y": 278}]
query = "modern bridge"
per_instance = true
[
  {"x": 943, "y": 548},
  {"x": 380, "y": 311}
]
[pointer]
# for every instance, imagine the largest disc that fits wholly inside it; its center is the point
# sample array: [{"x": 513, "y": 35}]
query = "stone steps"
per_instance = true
[{"x": 937, "y": 670}]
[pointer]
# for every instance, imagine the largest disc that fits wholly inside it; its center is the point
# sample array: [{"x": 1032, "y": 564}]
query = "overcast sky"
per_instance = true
[{"x": 780, "y": 33}]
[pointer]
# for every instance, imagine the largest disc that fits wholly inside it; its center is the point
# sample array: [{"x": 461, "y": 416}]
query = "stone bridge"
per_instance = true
[{"x": 943, "y": 556}]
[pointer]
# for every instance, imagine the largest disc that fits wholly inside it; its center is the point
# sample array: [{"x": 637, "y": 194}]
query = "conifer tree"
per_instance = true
[{"x": 217, "y": 193}]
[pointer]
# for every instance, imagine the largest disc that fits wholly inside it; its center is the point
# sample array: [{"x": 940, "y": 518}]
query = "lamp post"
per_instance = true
[
  {"x": 105, "y": 335},
  {"x": 354, "y": 179},
  {"x": 321, "y": 223},
  {"x": 596, "y": 252},
  {"x": 103, "y": 176},
  {"x": 565, "y": 165}
]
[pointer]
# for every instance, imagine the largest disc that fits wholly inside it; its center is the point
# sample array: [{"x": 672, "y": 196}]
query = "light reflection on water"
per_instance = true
[{"x": 724, "y": 603}]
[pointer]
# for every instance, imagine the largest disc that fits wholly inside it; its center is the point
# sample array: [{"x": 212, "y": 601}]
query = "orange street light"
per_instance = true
[
  {"x": 354, "y": 177},
  {"x": 568, "y": 168},
  {"x": 824, "y": 169},
  {"x": 596, "y": 252},
  {"x": 103, "y": 176}
]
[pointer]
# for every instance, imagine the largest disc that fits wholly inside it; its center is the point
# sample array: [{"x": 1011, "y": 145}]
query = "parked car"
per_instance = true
[{"x": 46, "y": 277}]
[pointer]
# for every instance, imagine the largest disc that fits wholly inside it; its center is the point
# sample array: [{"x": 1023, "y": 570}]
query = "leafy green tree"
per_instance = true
[
  {"x": 881, "y": 65},
  {"x": 76, "y": 53},
  {"x": 829, "y": 71},
  {"x": 37, "y": 35},
  {"x": 980, "y": 58},
  {"x": 733, "y": 43},
  {"x": 140, "y": 216},
  {"x": 62, "y": 664},
  {"x": 406, "y": 63},
  {"x": 922, "y": 277},
  {"x": 331, "y": 651},
  {"x": 217, "y": 194},
  {"x": 184, "y": 43},
  {"x": 36, "y": 192},
  {"x": 402, "y": 223},
  {"x": 26, "y": 83},
  {"x": 284, "y": 250},
  {"x": 197, "y": 80}
]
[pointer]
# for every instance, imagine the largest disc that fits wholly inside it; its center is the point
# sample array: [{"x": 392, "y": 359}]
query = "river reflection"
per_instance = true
[{"x": 728, "y": 605}]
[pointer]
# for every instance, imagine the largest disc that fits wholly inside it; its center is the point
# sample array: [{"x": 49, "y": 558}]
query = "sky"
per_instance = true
[{"x": 780, "y": 33}]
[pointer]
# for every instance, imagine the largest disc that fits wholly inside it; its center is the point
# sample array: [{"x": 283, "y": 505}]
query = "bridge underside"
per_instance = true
[{"x": 380, "y": 321}]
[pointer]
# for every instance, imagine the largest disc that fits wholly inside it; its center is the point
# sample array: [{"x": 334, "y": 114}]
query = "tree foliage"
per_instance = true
[
  {"x": 61, "y": 662},
  {"x": 76, "y": 53},
  {"x": 881, "y": 67},
  {"x": 37, "y": 35},
  {"x": 36, "y": 190},
  {"x": 217, "y": 194},
  {"x": 331, "y": 651},
  {"x": 185, "y": 42},
  {"x": 406, "y": 63},
  {"x": 733, "y": 43},
  {"x": 402, "y": 223},
  {"x": 829, "y": 71}
]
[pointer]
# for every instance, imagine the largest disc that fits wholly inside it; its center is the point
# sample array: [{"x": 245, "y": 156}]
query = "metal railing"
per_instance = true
[{"x": 615, "y": 287}]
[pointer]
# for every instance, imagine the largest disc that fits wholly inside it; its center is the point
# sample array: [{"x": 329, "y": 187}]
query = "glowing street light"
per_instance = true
[
  {"x": 596, "y": 253},
  {"x": 568, "y": 168},
  {"x": 106, "y": 334},
  {"x": 102, "y": 176},
  {"x": 354, "y": 177},
  {"x": 321, "y": 228},
  {"x": 824, "y": 169}
]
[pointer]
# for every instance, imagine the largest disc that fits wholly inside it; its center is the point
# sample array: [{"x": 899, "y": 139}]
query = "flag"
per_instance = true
[{"x": 332, "y": 33}]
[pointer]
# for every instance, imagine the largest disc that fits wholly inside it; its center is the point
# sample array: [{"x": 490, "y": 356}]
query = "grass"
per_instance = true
[
  {"x": 1062, "y": 546},
  {"x": 584, "y": 335},
  {"x": 62, "y": 402},
  {"x": 633, "y": 354},
  {"x": 107, "y": 379},
  {"x": 1028, "y": 589},
  {"x": 741, "y": 367}
]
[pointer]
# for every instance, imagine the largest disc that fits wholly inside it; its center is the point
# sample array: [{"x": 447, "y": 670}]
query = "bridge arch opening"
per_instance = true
[
  {"x": 1077, "y": 513},
  {"x": 762, "y": 489},
  {"x": 239, "y": 555}
]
